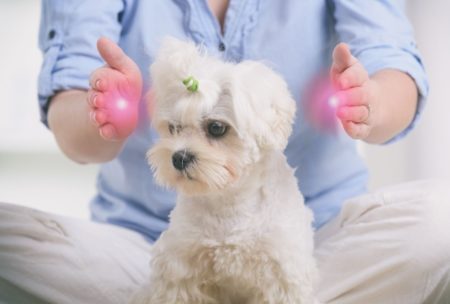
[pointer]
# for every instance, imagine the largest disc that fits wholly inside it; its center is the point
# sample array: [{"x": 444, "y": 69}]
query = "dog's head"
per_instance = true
[{"x": 215, "y": 119}]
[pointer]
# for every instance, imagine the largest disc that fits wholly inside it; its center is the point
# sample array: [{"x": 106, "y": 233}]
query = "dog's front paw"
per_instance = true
[{"x": 162, "y": 294}]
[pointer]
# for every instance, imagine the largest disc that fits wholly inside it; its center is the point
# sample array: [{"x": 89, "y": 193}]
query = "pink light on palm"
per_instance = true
[
  {"x": 320, "y": 104},
  {"x": 122, "y": 113},
  {"x": 120, "y": 108},
  {"x": 121, "y": 104}
]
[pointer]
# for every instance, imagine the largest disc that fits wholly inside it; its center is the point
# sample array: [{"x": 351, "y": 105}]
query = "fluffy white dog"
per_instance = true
[{"x": 240, "y": 232}]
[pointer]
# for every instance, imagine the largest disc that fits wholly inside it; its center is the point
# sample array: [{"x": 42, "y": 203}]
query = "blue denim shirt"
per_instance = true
[{"x": 294, "y": 37}]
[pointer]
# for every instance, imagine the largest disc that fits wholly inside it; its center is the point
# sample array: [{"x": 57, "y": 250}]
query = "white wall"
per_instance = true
[
  {"x": 32, "y": 170},
  {"x": 20, "y": 60},
  {"x": 425, "y": 153}
]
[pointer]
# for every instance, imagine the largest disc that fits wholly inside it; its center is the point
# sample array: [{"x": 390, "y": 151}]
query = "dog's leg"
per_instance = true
[
  {"x": 280, "y": 293},
  {"x": 155, "y": 292},
  {"x": 277, "y": 285},
  {"x": 186, "y": 291}
]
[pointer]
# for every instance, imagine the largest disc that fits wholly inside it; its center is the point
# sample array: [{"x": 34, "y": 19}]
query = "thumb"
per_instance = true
[
  {"x": 342, "y": 58},
  {"x": 115, "y": 57}
]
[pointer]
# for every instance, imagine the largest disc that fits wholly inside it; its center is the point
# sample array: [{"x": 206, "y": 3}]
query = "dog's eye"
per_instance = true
[
  {"x": 216, "y": 129},
  {"x": 174, "y": 128},
  {"x": 171, "y": 129}
]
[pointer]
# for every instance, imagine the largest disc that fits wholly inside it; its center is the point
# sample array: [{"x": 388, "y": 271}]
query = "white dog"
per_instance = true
[{"x": 240, "y": 232}]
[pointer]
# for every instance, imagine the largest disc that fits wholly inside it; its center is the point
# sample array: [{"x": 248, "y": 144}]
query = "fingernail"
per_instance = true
[
  {"x": 92, "y": 117},
  {"x": 107, "y": 134},
  {"x": 102, "y": 134},
  {"x": 92, "y": 100},
  {"x": 98, "y": 83}
]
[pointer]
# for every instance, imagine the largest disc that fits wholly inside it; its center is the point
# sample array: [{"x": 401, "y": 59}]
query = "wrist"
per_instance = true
[{"x": 394, "y": 98}]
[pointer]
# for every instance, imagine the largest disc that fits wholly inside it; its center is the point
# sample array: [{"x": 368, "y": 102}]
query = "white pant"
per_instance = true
[{"x": 392, "y": 246}]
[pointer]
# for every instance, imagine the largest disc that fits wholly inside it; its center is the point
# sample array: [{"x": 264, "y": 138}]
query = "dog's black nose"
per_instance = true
[{"x": 181, "y": 159}]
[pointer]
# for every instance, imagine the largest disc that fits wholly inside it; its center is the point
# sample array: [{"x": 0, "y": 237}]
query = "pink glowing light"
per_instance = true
[
  {"x": 333, "y": 101},
  {"x": 320, "y": 104},
  {"x": 122, "y": 114},
  {"x": 121, "y": 104}
]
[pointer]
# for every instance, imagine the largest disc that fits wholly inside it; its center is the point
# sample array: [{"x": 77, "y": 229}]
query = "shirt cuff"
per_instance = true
[{"x": 60, "y": 72}]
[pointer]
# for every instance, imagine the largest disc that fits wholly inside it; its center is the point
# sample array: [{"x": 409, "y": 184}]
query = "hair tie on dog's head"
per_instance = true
[{"x": 191, "y": 84}]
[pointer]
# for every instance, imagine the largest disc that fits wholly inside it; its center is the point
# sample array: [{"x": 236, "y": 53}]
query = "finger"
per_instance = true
[
  {"x": 353, "y": 76},
  {"x": 96, "y": 99},
  {"x": 353, "y": 97},
  {"x": 98, "y": 117},
  {"x": 357, "y": 114},
  {"x": 342, "y": 58},
  {"x": 355, "y": 130},
  {"x": 102, "y": 78},
  {"x": 116, "y": 58},
  {"x": 108, "y": 132},
  {"x": 91, "y": 97}
]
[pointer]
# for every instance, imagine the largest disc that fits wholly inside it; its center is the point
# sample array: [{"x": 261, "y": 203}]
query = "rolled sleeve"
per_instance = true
[
  {"x": 381, "y": 37},
  {"x": 68, "y": 34}
]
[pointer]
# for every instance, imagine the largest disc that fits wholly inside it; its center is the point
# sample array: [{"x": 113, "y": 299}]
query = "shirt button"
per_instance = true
[
  {"x": 222, "y": 47},
  {"x": 51, "y": 34}
]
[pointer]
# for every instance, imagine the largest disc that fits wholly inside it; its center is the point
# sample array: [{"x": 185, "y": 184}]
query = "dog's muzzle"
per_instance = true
[{"x": 182, "y": 159}]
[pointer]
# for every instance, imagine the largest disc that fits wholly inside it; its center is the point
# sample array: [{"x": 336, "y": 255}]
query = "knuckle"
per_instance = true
[
  {"x": 356, "y": 77},
  {"x": 348, "y": 78},
  {"x": 363, "y": 95},
  {"x": 362, "y": 116},
  {"x": 99, "y": 79},
  {"x": 355, "y": 74},
  {"x": 96, "y": 74},
  {"x": 356, "y": 131},
  {"x": 364, "y": 72},
  {"x": 358, "y": 134},
  {"x": 366, "y": 113},
  {"x": 360, "y": 70}
]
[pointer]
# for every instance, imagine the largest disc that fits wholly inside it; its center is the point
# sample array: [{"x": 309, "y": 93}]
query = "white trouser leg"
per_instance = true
[
  {"x": 390, "y": 247},
  {"x": 46, "y": 258}
]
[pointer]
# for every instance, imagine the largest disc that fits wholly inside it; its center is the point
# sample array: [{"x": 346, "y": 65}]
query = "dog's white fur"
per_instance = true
[{"x": 240, "y": 232}]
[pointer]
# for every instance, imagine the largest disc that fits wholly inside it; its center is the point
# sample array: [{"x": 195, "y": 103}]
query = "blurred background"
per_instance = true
[{"x": 34, "y": 173}]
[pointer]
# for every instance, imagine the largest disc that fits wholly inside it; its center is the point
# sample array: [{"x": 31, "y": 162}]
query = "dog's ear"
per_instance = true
[{"x": 264, "y": 104}]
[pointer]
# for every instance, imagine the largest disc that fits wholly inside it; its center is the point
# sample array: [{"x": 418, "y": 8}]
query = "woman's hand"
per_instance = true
[
  {"x": 374, "y": 109},
  {"x": 357, "y": 95},
  {"x": 115, "y": 93}
]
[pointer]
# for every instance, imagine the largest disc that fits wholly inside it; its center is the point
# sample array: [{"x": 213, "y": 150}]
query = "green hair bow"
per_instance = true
[{"x": 191, "y": 84}]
